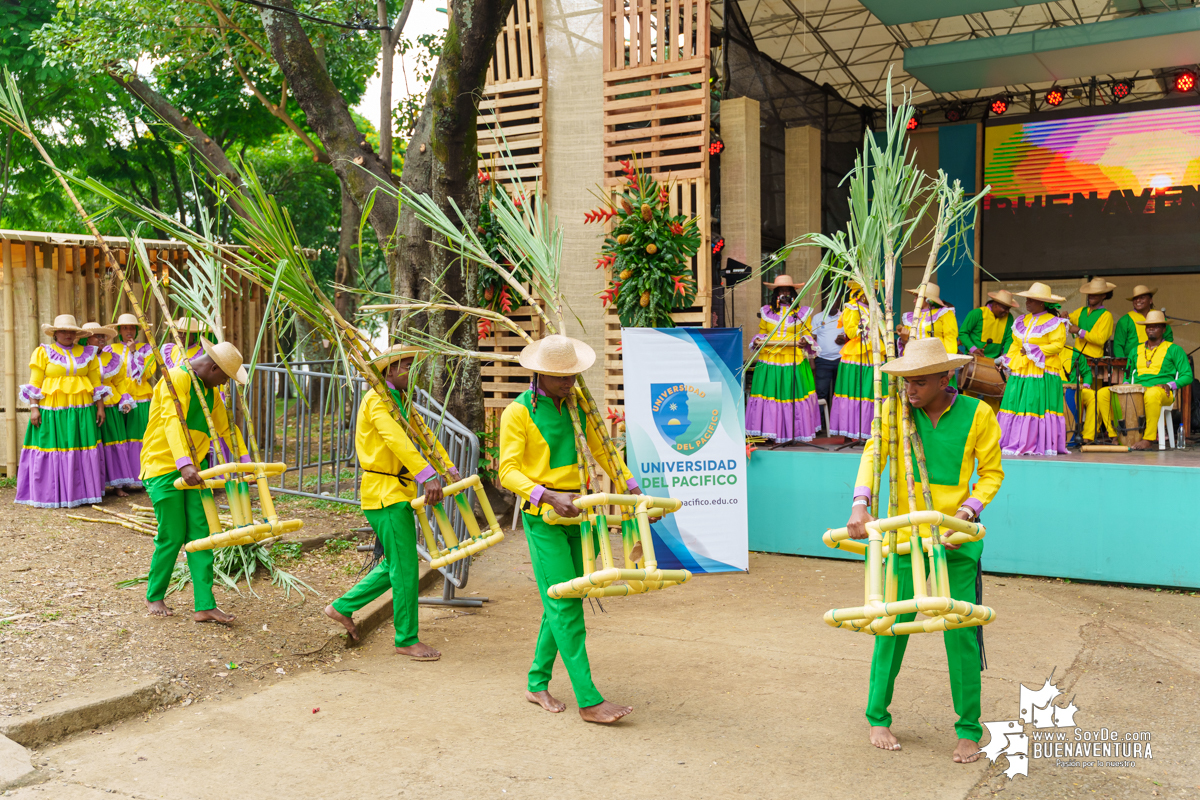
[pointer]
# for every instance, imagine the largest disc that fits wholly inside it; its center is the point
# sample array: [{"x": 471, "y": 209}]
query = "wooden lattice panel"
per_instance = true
[
  {"x": 513, "y": 107},
  {"x": 503, "y": 381},
  {"x": 656, "y": 96}
]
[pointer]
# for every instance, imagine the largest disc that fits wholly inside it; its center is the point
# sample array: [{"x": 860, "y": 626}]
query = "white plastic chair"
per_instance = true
[
  {"x": 824, "y": 413},
  {"x": 1166, "y": 425}
]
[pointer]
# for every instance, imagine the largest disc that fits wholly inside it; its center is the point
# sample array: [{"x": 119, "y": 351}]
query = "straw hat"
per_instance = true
[
  {"x": 1142, "y": 289},
  {"x": 932, "y": 293},
  {"x": 781, "y": 280},
  {"x": 126, "y": 319},
  {"x": 63, "y": 322},
  {"x": 1155, "y": 317},
  {"x": 189, "y": 325},
  {"x": 1040, "y": 291},
  {"x": 395, "y": 353},
  {"x": 1097, "y": 286},
  {"x": 557, "y": 355},
  {"x": 227, "y": 357},
  {"x": 1003, "y": 297},
  {"x": 92, "y": 328},
  {"x": 924, "y": 357}
]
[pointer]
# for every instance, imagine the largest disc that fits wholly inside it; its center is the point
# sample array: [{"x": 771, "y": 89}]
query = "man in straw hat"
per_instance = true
[
  {"x": 960, "y": 436},
  {"x": 1160, "y": 366},
  {"x": 392, "y": 467},
  {"x": 1131, "y": 328},
  {"x": 166, "y": 456},
  {"x": 987, "y": 330},
  {"x": 1091, "y": 325},
  {"x": 1031, "y": 417},
  {"x": 538, "y": 462}
]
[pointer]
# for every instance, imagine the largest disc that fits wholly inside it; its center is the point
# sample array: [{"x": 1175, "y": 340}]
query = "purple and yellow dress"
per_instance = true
[
  {"x": 783, "y": 396},
  {"x": 122, "y": 455},
  {"x": 854, "y": 390},
  {"x": 137, "y": 381},
  {"x": 1031, "y": 411},
  {"x": 170, "y": 354},
  {"x": 62, "y": 464}
]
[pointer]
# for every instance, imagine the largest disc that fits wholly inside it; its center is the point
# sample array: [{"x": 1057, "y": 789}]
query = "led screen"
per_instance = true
[{"x": 1104, "y": 193}]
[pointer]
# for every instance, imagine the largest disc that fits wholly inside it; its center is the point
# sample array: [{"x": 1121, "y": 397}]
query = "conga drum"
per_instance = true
[
  {"x": 1129, "y": 412},
  {"x": 981, "y": 378}
]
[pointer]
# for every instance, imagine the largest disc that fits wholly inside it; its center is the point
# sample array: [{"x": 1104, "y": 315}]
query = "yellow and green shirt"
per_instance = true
[
  {"x": 392, "y": 465},
  {"x": 965, "y": 440},
  {"x": 984, "y": 331},
  {"x": 1095, "y": 329},
  {"x": 163, "y": 447},
  {"x": 1130, "y": 332},
  {"x": 1165, "y": 365},
  {"x": 537, "y": 449}
]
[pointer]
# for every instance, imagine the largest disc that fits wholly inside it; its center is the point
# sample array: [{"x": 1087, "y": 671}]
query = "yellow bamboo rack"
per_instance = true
[
  {"x": 645, "y": 576},
  {"x": 881, "y": 608},
  {"x": 456, "y": 550},
  {"x": 244, "y": 529}
]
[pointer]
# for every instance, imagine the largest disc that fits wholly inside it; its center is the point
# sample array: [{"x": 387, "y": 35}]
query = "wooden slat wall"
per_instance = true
[{"x": 513, "y": 107}]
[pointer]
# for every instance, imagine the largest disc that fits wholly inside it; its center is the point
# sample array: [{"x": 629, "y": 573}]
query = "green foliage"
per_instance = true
[
  {"x": 424, "y": 52},
  {"x": 648, "y": 253},
  {"x": 489, "y": 450},
  {"x": 231, "y": 565},
  {"x": 8, "y": 482},
  {"x": 286, "y": 550},
  {"x": 335, "y": 547}
]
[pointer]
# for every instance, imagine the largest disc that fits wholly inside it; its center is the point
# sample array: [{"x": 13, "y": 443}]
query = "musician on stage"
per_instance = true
[
  {"x": 1131, "y": 328},
  {"x": 988, "y": 329},
  {"x": 960, "y": 436},
  {"x": 1160, "y": 366},
  {"x": 1091, "y": 326}
]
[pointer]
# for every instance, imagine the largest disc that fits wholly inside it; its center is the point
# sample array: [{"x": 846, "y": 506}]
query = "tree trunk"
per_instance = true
[{"x": 346, "y": 273}]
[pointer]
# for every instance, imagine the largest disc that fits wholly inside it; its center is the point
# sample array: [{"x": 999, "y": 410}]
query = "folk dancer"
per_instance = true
[
  {"x": 392, "y": 467},
  {"x": 938, "y": 323},
  {"x": 1162, "y": 367},
  {"x": 1091, "y": 326},
  {"x": 538, "y": 462},
  {"x": 121, "y": 461},
  {"x": 960, "y": 436},
  {"x": 987, "y": 330},
  {"x": 137, "y": 381},
  {"x": 783, "y": 396},
  {"x": 189, "y": 329},
  {"x": 854, "y": 390},
  {"x": 166, "y": 456},
  {"x": 1031, "y": 411},
  {"x": 61, "y": 463},
  {"x": 1131, "y": 328}
]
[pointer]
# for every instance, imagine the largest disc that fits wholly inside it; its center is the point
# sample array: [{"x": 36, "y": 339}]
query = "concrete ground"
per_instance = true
[{"x": 738, "y": 689}]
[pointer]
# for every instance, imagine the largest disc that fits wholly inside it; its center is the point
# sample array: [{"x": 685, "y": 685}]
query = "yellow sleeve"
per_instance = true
[
  {"x": 227, "y": 434},
  {"x": 37, "y": 368},
  {"x": 1017, "y": 347},
  {"x": 850, "y": 318},
  {"x": 397, "y": 439},
  {"x": 1056, "y": 340},
  {"x": 949, "y": 335},
  {"x": 93, "y": 373},
  {"x": 180, "y": 447},
  {"x": 987, "y": 455},
  {"x": 866, "y": 465},
  {"x": 514, "y": 426},
  {"x": 1101, "y": 332},
  {"x": 764, "y": 327},
  {"x": 619, "y": 473},
  {"x": 437, "y": 443}
]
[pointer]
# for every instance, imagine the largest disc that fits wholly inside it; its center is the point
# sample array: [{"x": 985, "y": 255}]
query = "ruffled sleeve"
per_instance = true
[{"x": 32, "y": 392}]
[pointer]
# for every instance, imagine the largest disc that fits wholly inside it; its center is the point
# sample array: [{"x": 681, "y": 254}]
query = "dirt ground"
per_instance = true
[{"x": 738, "y": 687}]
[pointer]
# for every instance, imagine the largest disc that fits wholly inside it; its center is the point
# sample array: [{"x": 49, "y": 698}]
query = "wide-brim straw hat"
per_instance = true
[
  {"x": 1097, "y": 286},
  {"x": 1040, "y": 291},
  {"x": 781, "y": 280},
  {"x": 1155, "y": 317},
  {"x": 557, "y": 355},
  {"x": 924, "y": 357},
  {"x": 127, "y": 319},
  {"x": 932, "y": 293},
  {"x": 63, "y": 322},
  {"x": 189, "y": 325},
  {"x": 92, "y": 328},
  {"x": 395, "y": 353},
  {"x": 1142, "y": 289},
  {"x": 1003, "y": 297},
  {"x": 227, "y": 357}
]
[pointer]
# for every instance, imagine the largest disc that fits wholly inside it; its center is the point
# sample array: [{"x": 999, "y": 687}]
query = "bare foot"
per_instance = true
[
  {"x": 1145, "y": 444},
  {"x": 546, "y": 701},
  {"x": 342, "y": 620},
  {"x": 605, "y": 713},
  {"x": 883, "y": 738},
  {"x": 159, "y": 609},
  {"x": 214, "y": 615},
  {"x": 419, "y": 652},
  {"x": 122, "y": 493},
  {"x": 966, "y": 751}
]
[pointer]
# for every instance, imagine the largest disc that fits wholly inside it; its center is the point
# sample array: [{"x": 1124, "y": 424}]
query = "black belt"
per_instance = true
[{"x": 402, "y": 476}]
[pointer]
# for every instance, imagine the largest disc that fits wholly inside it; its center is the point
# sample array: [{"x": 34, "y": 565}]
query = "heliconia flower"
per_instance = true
[
  {"x": 681, "y": 286},
  {"x": 605, "y": 261},
  {"x": 484, "y": 177},
  {"x": 676, "y": 228},
  {"x": 485, "y": 328},
  {"x": 749, "y": 449},
  {"x": 615, "y": 416},
  {"x": 664, "y": 196},
  {"x": 505, "y": 300}
]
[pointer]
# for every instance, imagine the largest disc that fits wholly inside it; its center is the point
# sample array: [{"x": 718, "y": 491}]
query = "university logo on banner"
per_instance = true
[{"x": 686, "y": 415}]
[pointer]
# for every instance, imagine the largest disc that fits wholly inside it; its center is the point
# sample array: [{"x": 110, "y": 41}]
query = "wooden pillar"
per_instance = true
[
  {"x": 10, "y": 360},
  {"x": 802, "y": 198},
  {"x": 741, "y": 209},
  {"x": 31, "y": 288}
]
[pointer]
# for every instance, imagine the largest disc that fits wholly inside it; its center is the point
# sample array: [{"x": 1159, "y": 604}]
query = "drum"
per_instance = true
[
  {"x": 981, "y": 378},
  {"x": 1129, "y": 412},
  {"x": 1107, "y": 371}
]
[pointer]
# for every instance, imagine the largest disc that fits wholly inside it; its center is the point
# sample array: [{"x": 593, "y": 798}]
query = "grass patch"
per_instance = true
[
  {"x": 338, "y": 546},
  {"x": 8, "y": 482},
  {"x": 287, "y": 550}
]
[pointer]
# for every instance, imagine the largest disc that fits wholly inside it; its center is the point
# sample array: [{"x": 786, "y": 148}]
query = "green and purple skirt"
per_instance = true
[
  {"x": 854, "y": 400},
  {"x": 783, "y": 403},
  {"x": 122, "y": 454},
  {"x": 1031, "y": 416},
  {"x": 62, "y": 465}
]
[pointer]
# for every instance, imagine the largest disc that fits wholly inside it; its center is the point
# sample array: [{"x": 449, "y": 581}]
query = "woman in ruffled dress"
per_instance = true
[
  {"x": 854, "y": 388},
  {"x": 783, "y": 396},
  {"x": 189, "y": 329},
  {"x": 121, "y": 455},
  {"x": 139, "y": 370},
  {"x": 1031, "y": 411},
  {"x": 62, "y": 464}
]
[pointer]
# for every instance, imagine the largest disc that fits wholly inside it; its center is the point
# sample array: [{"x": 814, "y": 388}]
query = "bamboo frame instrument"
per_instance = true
[
  {"x": 243, "y": 530},
  {"x": 455, "y": 550}
]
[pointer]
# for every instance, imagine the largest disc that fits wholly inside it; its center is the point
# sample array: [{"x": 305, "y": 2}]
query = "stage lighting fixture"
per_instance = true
[
  {"x": 956, "y": 113},
  {"x": 718, "y": 245},
  {"x": 1122, "y": 89},
  {"x": 1185, "y": 81},
  {"x": 1055, "y": 96},
  {"x": 914, "y": 121},
  {"x": 715, "y": 147},
  {"x": 999, "y": 104}
]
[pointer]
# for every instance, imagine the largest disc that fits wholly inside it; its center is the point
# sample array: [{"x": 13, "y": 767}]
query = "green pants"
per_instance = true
[
  {"x": 180, "y": 517},
  {"x": 397, "y": 531},
  {"x": 962, "y": 649},
  {"x": 556, "y": 552}
]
